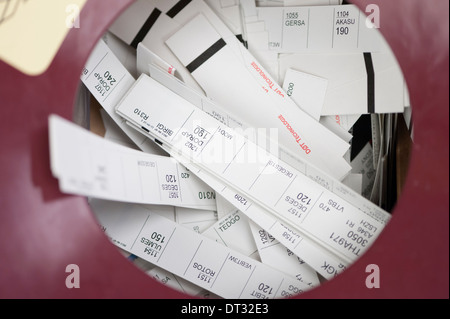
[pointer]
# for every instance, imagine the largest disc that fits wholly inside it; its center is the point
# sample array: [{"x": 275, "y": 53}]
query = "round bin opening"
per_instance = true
[{"x": 212, "y": 244}]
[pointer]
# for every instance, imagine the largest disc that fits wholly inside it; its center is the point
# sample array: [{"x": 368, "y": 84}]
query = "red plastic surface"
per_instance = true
[{"x": 42, "y": 231}]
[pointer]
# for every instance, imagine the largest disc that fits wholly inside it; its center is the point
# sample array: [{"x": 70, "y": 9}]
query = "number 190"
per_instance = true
[{"x": 342, "y": 31}]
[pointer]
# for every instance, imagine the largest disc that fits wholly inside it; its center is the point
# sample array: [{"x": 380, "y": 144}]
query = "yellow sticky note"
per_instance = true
[{"x": 31, "y": 31}]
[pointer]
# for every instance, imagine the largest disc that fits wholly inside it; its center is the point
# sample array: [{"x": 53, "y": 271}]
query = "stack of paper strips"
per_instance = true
[{"x": 249, "y": 148}]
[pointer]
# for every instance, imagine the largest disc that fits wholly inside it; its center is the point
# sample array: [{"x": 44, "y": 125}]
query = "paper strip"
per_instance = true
[
  {"x": 191, "y": 256},
  {"x": 313, "y": 210},
  {"x": 89, "y": 165}
]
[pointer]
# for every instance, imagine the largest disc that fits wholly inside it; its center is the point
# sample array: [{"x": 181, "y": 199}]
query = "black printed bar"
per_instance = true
[
  {"x": 205, "y": 56},
  {"x": 151, "y": 20},
  {"x": 177, "y": 8},
  {"x": 370, "y": 83}
]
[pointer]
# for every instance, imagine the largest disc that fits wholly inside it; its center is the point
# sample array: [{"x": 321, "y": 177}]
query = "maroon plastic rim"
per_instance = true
[{"x": 42, "y": 231}]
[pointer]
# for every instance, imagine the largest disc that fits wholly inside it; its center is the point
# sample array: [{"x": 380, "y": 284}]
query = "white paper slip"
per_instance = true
[
  {"x": 139, "y": 92},
  {"x": 114, "y": 133},
  {"x": 331, "y": 123},
  {"x": 195, "y": 219},
  {"x": 323, "y": 261},
  {"x": 162, "y": 210},
  {"x": 108, "y": 80},
  {"x": 346, "y": 122},
  {"x": 316, "y": 212},
  {"x": 269, "y": 62},
  {"x": 303, "y": 29},
  {"x": 204, "y": 103},
  {"x": 89, "y": 165},
  {"x": 176, "y": 283},
  {"x": 140, "y": 263},
  {"x": 233, "y": 231},
  {"x": 112, "y": 213},
  {"x": 274, "y": 254},
  {"x": 229, "y": 13},
  {"x": 407, "y": 96},
  {"x": 269, "y": 3},
  {"x": 289, "y": 3},
  {"x": 145, "y": 21},
  {"x": 248, "y": 93},
  {"x": 224, "y": 207},
  {"x": 357, "y": 83},
  {"x": 363, "y": 164},
  {"x": 224, "y": 117},
  {"x": 152, "y": 22},
  {"x": 146, "y": 57},
  {"x": 377, "y": 138},
  {"x": 250, "y": 11},
  {"x": 408, "y": 118},
  {"x": 125, "y": 54},
  {"x": 259, "y": 137},
  {"x": 307, "y": 91},
  {"x": 256, "y": 27},
  {"x": 355, "y": 182},
  {"x": 191, "y": 256},
  {"x": 105, "y": 76}
]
